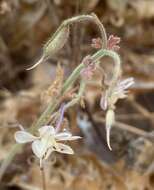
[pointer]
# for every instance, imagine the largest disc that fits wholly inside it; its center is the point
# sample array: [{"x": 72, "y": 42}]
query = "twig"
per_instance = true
[{"x": 140, "y": 108}]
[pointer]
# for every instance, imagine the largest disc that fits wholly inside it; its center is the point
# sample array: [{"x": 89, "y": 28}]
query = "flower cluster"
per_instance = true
[
  {"x": 112, "y": 43},
  {"x": 46, "y": 142}
]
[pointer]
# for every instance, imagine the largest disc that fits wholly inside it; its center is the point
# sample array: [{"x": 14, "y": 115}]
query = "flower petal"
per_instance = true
[
  {"x": 74, "y": 138},
  {"x": 39, "y": 148},
  {"x": 66, "y": 136},
  {"x": 65, "y": 149},
  {"x": 126, "y": 83},
  {"x": 24, "y": 137},
  {"x": 47, "y": 129},
  {"x": 63, "y": 136}
]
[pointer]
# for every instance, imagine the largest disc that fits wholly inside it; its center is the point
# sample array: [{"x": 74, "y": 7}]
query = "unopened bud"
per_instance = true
[
  {"x": 88, "y": 71},
  {"x": 103, "y": 101},
  {"x": 97, "y": 43},
  {"x": 110, "y": 119},
  {"x": 55, "y": 44}
]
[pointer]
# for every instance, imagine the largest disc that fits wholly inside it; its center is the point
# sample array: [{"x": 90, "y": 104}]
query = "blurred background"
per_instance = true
[{"x": 25, "y": 26}]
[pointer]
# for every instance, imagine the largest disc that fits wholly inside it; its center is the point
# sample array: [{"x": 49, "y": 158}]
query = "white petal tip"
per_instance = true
[
  {"x": 110, "y": 148},
  {"x": 108, "y": 140},
  {"x": 32, "y": 67},
  {"x": 109, "y": 122},
  {"x": 75, "y": 138},
  {"x": 36, "y": 64}
]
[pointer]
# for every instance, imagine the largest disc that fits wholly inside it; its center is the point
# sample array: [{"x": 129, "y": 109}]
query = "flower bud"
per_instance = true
[
  {"x": 110, "y": 118},
  {"x": 103, "y": 101},
  {"x": 97, "y": 43},
  {"x": 55, "y": 44}
]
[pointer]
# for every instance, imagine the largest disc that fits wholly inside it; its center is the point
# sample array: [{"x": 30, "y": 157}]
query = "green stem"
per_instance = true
[
  {"x": 79, "y": 95},
  {"x": 73, "y": 77},
  {"x": 45, "y": 117}
]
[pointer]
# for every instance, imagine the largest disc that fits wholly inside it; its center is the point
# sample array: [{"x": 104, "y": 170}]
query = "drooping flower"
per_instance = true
[
  {"x": 110, "y": 97},
  {"x": 108, "y": 101},
  {"x": 47, "y": 141}
]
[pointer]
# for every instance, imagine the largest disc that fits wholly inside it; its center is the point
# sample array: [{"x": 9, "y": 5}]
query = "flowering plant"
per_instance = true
[{"x": 48, "y": 138}]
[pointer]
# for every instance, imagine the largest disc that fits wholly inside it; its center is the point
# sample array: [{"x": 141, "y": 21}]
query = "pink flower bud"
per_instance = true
[
  {"x": 97, "y": 43},
  {"x": 112, "y": 43},
  {"x": 88, "y": 71}
]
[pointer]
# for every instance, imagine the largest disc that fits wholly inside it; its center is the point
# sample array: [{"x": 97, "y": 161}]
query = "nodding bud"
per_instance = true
[
  {"x": 97, "y": 43},
  {"x": 109, "y": 121},
  {"x": 53, "y": 45}
]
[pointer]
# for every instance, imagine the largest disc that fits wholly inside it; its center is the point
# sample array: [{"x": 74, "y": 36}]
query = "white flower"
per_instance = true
[
  {"x": 47, "y": 141},
  {"x": 108, "y": 101},
  {"x": 118, "y": 92}
]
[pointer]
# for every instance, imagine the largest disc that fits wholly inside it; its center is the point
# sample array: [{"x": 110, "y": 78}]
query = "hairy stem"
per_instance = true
[{"x": 81, "y": 18}]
